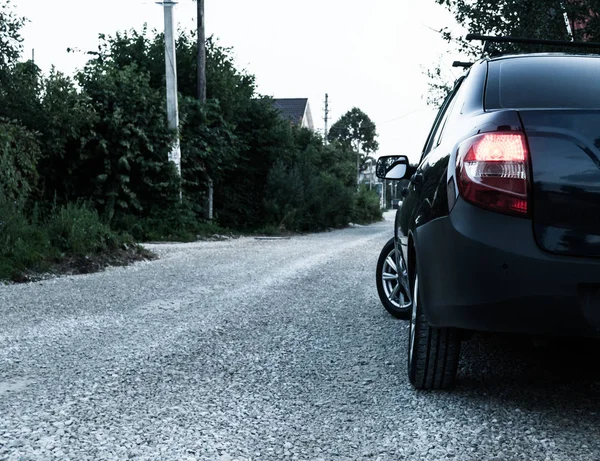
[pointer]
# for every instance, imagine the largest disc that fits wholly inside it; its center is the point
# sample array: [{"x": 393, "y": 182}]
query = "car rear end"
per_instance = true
[{"x": 520, "y": 249}]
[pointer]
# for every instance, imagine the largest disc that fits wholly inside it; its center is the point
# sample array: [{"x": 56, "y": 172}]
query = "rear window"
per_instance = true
[{"x": 553, "y": 82}]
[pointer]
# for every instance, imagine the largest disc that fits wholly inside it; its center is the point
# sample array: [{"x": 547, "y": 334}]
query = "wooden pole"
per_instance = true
[
  {"x": 201, "y": 53},
  {"x": 208, "y": 205},
  {"x": 171, "y": 73}
]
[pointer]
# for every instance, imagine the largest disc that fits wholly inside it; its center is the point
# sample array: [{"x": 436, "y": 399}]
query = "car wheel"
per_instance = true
[
  {"x": 392, "y": 282},
  {"x": 432, "y": 352}
]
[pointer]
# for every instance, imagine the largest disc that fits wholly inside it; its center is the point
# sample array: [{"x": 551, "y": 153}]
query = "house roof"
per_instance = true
[{"x": 292, "y": 109}]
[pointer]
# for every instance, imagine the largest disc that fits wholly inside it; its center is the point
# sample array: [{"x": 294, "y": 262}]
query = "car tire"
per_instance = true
[
  {"x": 433, "y": 353},
  {"x": 393, "y": 296}
]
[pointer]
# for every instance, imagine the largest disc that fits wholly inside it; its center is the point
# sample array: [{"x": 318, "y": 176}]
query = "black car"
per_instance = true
[{"x": 499, "y": 229}]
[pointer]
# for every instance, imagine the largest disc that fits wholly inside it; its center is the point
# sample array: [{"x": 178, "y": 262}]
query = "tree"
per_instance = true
[
  {"x": 19, "y": 154},
  {"x": 102, "y": 137},
  {"x": 440, "y": 85},
  {"x": 10, "y": 37},
  {"x": 20, "y": 94},
  {"x": 544, "y": 19},
  {"x": 124, "y": 158},
  {"x": 356, "y": 131},
  {"x": 311, "y": 186},
  {"x": 68, "y": 120}
]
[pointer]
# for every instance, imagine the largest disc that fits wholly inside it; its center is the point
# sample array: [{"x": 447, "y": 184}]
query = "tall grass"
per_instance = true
[
  {"x": 30, "y": 243},
  {"x": 78, "y": 230}
]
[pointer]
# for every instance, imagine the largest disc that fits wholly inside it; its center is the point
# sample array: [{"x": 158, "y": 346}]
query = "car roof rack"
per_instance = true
[
  {"x": 464, "y": 65},
  {"x": 488, "y": 39}
]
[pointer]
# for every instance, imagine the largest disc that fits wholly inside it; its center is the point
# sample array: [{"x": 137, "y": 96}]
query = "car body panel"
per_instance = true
[
  {"x": 489, "y": 271},
  {"x": 484, "y": 271},
  {"x": 565, "y": 157}
]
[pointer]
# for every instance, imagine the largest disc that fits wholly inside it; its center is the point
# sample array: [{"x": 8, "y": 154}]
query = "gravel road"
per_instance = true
[{"x": 268, "y": 350}]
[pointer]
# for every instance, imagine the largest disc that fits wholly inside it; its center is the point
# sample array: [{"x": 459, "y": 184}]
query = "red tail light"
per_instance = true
[{"x": 492, "y": 171}]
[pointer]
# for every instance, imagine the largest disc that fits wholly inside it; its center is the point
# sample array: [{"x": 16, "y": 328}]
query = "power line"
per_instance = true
[
  {"x": 402, "y": 116},
  {"x": 432, "y": 29}
]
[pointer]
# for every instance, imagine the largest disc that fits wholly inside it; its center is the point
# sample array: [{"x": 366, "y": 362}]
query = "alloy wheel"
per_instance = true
[{"x": 395, "y": 281}]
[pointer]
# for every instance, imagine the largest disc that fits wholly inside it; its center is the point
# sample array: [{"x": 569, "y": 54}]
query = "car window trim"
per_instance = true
[
  {"x": 445, "y": 106},
  {"x": 433, "y": 129},
  {"x": 444, "y": 122}
]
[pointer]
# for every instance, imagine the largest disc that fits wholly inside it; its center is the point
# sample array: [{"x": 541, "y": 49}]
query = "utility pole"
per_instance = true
[
  {"x": 171, "y": 72},
  {"x": 201, "y": 53},
  {"x": 201, "y": 59},
  {"x": 567, "y": 22},
  {"x": 326, "y": 118},
  {"x": 357, "y": 167}
]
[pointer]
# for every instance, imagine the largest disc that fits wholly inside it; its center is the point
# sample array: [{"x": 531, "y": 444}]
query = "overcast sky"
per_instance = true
[{"x": 364, "y": 54}]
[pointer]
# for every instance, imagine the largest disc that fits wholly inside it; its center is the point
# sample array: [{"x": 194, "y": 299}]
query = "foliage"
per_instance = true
[
  {"x": 234, "y": 141},
  {"x": 356, "y": 131},
  {"x": 84, "y": 160},
  {"x": 61, "y": 116},
  {"x": 10, "y": 37},
  {"x": 239, "y": 140},
  {"x": 49, "y": 131},
  {"x": 178, "y": 223},
  {"x": 232, "y": 88},
  {"x": 23, "y": 244},
  {"x": 19, "y": 154},
  {"x": 301, "y": 199},
  {"x": 532, "y": 19},
  {"x": 69, "y": 120},
  {"x": 78, "y": 230},
  {"x": 240, "y": 194},
  {"x": 213, "y": 137},
  {"x": 34, "y": 244},
  {"x": 440, "y": 86},
  {"x": 208, "y": 143},
  {"x": 20, "y": 94},
  {"x": 313, "y": 188},
  {"x": 366, "y": 208},
  {"x": 543, "y": 19},
  {"x": 124, "y": 162}
]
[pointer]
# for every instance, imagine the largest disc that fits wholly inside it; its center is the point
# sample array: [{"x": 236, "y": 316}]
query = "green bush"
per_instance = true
[
  {"x": 366, "y": 207},
  {"x": 77, "y": 230},
  {"x": 178, "y": 223},
  {"x": 23, "y": 245},
  {"x": 125, "y": 167},
  {"x": 29, "y": 243},
  {"x": 102, "y": 138},
  {"x": 19, "y": 154},
  {"x": 68, "y": 124},
  {"x": 304, "y": 199},
  {"x": 329, "y": 203}
]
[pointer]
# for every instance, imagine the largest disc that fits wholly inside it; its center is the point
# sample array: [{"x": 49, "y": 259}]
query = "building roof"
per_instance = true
[{"x": 292, "y": 109}]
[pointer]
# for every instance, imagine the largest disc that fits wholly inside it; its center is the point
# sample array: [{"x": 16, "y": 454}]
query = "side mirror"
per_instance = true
[{"x": 392, "y": 167}]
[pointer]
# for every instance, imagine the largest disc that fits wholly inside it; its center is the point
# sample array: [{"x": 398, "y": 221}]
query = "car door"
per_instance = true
[{"x": 419, "y": 193}]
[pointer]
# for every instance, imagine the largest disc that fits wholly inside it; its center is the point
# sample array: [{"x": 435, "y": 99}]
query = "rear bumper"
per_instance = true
[{"x": 484, "y": 271}]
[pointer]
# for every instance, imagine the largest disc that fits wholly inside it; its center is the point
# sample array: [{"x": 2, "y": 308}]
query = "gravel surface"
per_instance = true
[{"x": 268, "y": 350}]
